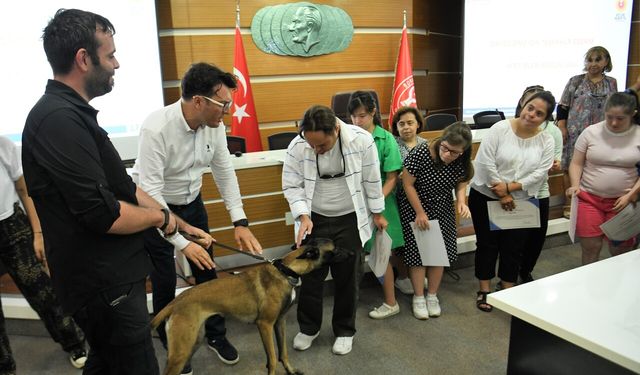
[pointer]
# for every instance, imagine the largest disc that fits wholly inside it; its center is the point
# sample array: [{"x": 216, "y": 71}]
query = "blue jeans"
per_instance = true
[{"x": 163, "y": 274}]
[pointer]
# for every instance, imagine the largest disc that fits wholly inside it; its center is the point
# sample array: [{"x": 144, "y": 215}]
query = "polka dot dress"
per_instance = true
[{"x": 435, "y": 187}]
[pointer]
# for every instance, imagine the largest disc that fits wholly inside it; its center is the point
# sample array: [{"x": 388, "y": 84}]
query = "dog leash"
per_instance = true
[{"x": 292, "y": 276}]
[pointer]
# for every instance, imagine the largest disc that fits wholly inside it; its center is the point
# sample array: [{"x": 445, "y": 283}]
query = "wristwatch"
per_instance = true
[
  {"x": 166, "y": 213},
  {"x": 241, "y": 223}
]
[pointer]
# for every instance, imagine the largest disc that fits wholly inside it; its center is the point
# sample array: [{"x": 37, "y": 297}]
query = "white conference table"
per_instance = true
[{"x": 590, "y": 316}]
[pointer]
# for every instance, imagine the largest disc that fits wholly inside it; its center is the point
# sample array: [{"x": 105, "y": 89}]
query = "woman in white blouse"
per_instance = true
[{"x": 511, "y": 165}]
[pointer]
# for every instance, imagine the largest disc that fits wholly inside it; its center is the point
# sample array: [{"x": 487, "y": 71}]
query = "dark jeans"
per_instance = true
[
  {"x": 533, "y": 246},
  {"x": 343, "y": 230},
  {"x": 18, "y": 257},
  {"x": 502, "y": 246},
  {"x": 116, "y": 323},
  {"x": 163, "y": 274}
]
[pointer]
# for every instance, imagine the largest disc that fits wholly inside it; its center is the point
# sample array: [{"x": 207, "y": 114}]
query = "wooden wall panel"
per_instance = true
[
  {"x": 269, "y": 235},
  {"x": 439, "y": 16},
  {"x": 281, "y": 101},
  {"x": 634, "y": 43},
  {"x": 633, "y": 72},
  {"x": 250, "y": 182},
  {"x": 438, "y": 53},
  {"x": 180, "y": 14},
  {"x": 257, "y": 209},
  {"x": 367, "y": 53}
]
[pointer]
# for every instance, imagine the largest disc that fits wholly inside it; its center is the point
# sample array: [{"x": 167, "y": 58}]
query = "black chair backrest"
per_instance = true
[
  {"x": 485, "y": 119},
  {"x": 439, "y": 121},
  {"x": 279, "y": 141},
  {"x": 340, "y": 103},
  {"x": 236, "y": 144}
]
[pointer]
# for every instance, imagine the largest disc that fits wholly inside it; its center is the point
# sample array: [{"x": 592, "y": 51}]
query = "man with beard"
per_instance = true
[{"x": 92, "y": 215}]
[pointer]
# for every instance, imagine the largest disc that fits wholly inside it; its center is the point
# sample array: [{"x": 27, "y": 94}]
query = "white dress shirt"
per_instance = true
[
  {"x": 10, "y": 172},
  {"x": 172, "y": 158},
  {"x": 299, "y": 176}
]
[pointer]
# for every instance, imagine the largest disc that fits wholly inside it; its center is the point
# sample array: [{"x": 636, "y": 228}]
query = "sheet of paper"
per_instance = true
[
  {"x": 573, "y": 217},
  {"x": 525, "y": 215},
  {"x": 624, "y": 225},
  {"x": 433, "y": 251},
  {"x": 380, "y": 253}
]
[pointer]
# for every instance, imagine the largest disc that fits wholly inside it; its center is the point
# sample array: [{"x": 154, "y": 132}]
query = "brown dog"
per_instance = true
[{"x": 261, "y": 295}]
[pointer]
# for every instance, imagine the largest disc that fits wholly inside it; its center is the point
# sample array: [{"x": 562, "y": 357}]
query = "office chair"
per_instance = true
[
  {"x": 439, "y": 121},
  {"x": 486, "y": 119},
  {"x": 340, "y": 103},
  {"x": 236, "y": 144},
  {"x": 279, "y": 141}
]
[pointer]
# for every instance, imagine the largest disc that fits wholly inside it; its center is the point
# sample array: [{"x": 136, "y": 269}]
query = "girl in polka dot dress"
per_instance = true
[{"x": 431, "y": 173}]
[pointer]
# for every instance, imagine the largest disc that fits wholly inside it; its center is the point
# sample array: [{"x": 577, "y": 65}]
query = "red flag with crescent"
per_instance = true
[
  {"x": 244, "y": 121},
  {"x": 404, "y": 92}
]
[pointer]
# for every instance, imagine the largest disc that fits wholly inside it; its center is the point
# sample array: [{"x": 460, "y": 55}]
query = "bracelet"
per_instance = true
[
  {"x": 507, "y": 184},
  {"x": 38, "y": 232},
  {"x": 166, "y": 213}
]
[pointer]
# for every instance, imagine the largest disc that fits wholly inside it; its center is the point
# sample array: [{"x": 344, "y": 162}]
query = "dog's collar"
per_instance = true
[{"x": 291, "y": 275}]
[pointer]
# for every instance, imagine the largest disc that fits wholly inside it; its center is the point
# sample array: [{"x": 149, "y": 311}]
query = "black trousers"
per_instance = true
[
  {"x": 502, "y": 246},
  {"x": 163, "y": 274},
  {"x": 533, "y": 246},
  {"x": 343, "y": 230},
  {"x": 116, "y": 324},
  {"x": 18, "y": 257}
]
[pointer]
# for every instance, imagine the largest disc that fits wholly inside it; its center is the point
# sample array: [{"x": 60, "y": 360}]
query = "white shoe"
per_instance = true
[
  {"x": 78, "y": 358},
  {"x": 420, "y": 308},
  {"x": 342, "y": 345},
  {"x": 302, "y": 341},
  {"x": 404, "y": 285},
  {"x": 433, "y": 306},
  {"x": 384, "y": 311}
]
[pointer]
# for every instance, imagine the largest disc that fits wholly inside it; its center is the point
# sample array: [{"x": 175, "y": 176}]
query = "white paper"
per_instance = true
[
  {"x": 526, "y": 214},
  {"x": 573, "y": 217},
  {"x": 380, "y": 253},
  {"x": 433, "y": 251},
  {"x": 624, "y": 225}
]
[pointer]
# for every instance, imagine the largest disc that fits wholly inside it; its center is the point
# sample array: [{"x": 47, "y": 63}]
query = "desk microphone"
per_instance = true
[{"x": 238, "y": 153}]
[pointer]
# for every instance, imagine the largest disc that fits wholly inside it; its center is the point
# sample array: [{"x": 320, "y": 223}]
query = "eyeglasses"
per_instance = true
[
  {"x": 344, "y": 167},
  {"x": 225, "y": 106},
  {"x": 451, "y": 152}
]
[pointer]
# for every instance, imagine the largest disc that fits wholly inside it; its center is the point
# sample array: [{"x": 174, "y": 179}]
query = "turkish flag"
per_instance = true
[
  {"x": 404, "y": 93},
  {"x": 244, "y": 121}
]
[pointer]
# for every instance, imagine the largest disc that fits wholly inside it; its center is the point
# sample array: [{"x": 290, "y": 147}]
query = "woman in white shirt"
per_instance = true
[
  {"x": 534, "y": 244},
  {"x": 511, "y": 165}
]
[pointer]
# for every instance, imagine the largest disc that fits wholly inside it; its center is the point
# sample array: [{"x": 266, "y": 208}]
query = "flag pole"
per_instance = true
[
  {"x": 404, "y": 19},
  {"x": 237, "y": 13}
]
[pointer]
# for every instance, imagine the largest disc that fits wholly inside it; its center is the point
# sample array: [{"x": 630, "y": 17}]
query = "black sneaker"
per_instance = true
[
  {"x": 226, "y": 352},
  {"x": 187, "y": 370},
  {"x": 526, "y": 278},
  {"x": 78, "y": 358}
]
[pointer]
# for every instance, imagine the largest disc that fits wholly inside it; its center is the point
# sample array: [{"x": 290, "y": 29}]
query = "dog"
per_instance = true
[{"x": 261, "y": 295}]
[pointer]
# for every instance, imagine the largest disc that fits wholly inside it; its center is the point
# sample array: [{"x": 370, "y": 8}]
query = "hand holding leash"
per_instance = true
[
  {"x": 199, "y": 256},
  {"x": 246, "y": 240}
]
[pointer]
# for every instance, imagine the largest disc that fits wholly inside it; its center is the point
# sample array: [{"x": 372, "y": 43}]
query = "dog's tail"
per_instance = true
[{"x": 162, "y": 316}]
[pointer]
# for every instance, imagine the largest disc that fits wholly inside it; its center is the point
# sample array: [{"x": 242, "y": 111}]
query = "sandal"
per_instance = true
[{"x": 481, "y": 302}]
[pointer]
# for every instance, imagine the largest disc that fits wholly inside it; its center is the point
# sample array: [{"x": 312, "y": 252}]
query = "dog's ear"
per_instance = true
[{"x": 310, "y": 252}]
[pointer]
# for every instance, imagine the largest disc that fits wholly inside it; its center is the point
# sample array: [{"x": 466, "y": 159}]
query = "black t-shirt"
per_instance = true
[{"x": 76, "y": 178}]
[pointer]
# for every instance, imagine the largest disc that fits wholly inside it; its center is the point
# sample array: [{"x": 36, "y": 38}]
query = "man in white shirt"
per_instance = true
[
  {"x": 331, "y": 179},
  {"x": 177, "y": 144}
]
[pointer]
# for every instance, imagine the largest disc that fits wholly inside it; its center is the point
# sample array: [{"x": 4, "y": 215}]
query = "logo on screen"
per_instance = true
[{"x": 621, "y": 5}]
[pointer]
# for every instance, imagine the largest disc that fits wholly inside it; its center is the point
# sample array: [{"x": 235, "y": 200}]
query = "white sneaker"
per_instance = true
[
  {"x": 384, "y": 311},
  {"x": 78, "y": 358},
  {"x": 420, "y": 308},
  {"x": 342, "y": 345},
  {"x": 302, "y": 341},
  {"x": 404, "y": 285},
  {"x": 433, "y": 306}
]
